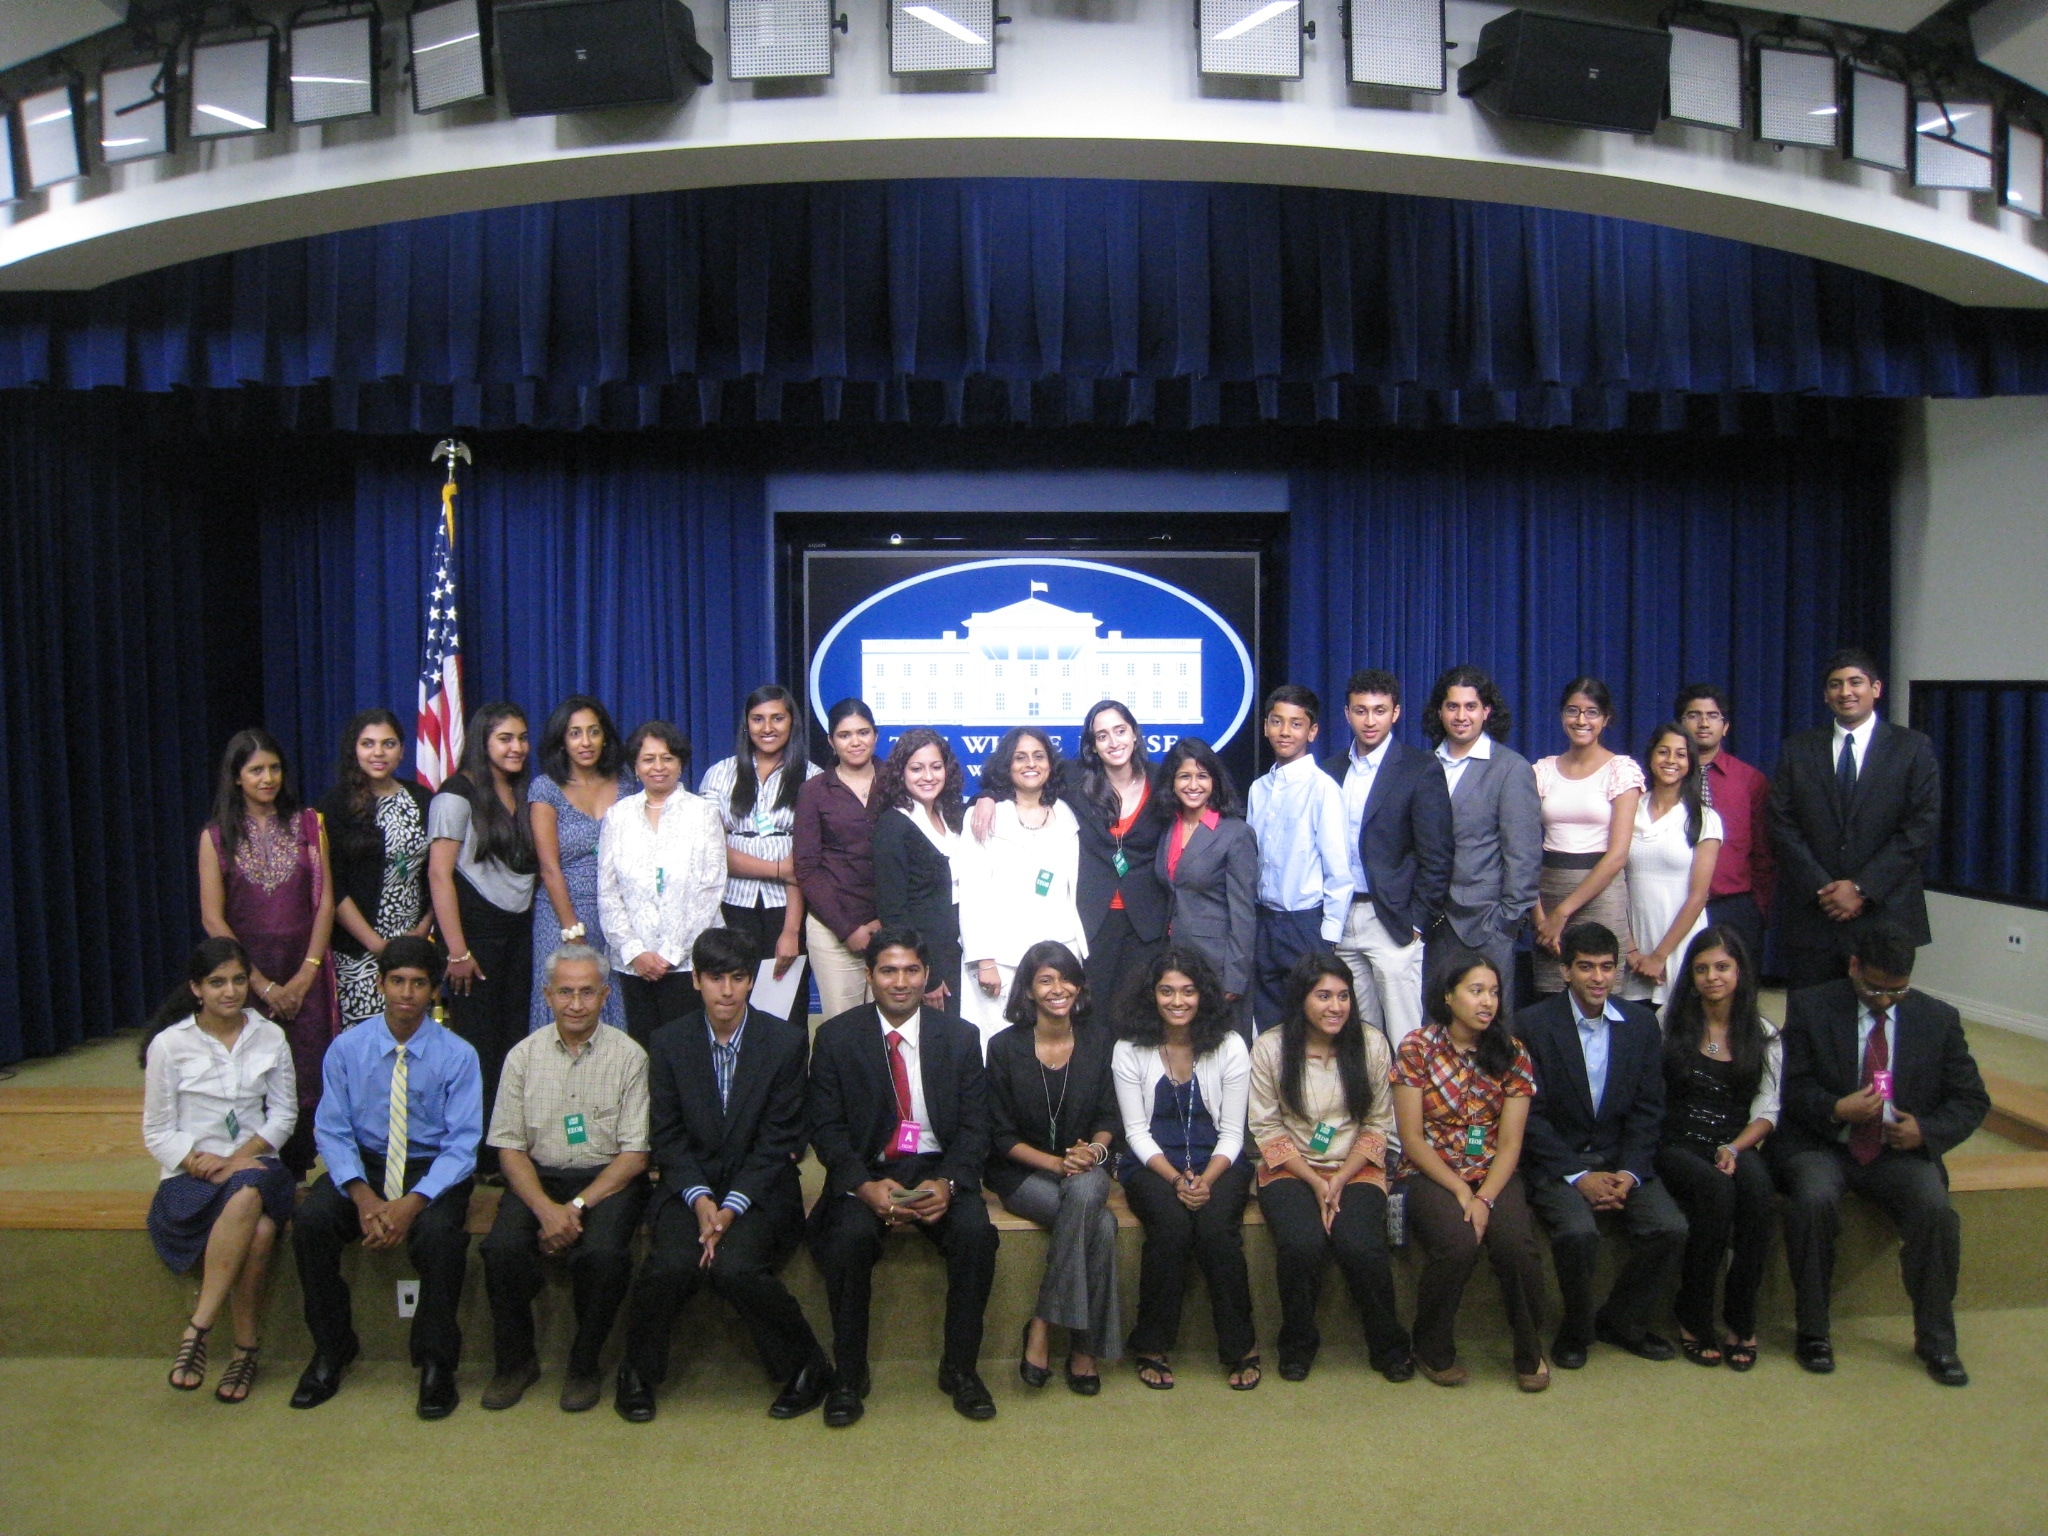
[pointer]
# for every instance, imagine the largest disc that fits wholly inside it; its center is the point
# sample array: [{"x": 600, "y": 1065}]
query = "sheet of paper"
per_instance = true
[{"x": 779, "y": 997}]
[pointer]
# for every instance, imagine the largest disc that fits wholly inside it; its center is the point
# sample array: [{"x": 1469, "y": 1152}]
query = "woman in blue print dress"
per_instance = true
[{"x": 581, "y": 777}]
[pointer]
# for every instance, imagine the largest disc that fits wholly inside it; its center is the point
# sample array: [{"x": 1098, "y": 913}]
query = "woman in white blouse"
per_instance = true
[
  {"x": 1589, "y": 797},
  {"x": 660, "y": 878},
  {"x": 219, "y": 1099},
  {"x": 1183, "y": 1077},
  {"x": 1018, "y": 888},
  {"x": 1671, "y": 861}
]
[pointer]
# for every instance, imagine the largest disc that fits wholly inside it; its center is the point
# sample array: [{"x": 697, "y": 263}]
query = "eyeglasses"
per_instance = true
[
  {"x": 1702, "y": 715},
  {"x": 1892, "y": 994},
  {"x": 1577, "y": 713}
]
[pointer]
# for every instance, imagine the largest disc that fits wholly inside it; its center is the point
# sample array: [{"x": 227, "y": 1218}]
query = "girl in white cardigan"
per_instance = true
[{"x": 1183, "y": 1076}]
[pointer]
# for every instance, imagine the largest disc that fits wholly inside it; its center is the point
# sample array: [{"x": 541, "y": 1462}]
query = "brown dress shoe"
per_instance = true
[
  {"x": 1450, "y": 1376},
  {"x": 580, "y": 1394},
  {"x": 1537, "y": 1380},
  {"x": 507, "y": 1387}
]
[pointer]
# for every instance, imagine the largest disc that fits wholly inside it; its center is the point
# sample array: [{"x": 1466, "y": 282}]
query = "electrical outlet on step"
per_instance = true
[
  {"x": 408, "y": 1297},
  {"x": 2016, "y": 941}
]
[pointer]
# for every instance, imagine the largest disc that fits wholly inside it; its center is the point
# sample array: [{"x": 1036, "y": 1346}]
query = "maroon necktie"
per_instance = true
[
  {"x": 1867, "y": 1140},
  {"x": 900, "y": 1075}
]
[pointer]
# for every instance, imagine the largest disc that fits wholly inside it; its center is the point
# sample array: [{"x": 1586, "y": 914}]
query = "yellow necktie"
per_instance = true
[{"x": 394, "y": 1137}]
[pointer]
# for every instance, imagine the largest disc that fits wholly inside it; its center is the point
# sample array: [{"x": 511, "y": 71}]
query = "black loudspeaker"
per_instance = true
[
  {"x": 580, "y": 55},
  {"x": 1559, "y": 69}
]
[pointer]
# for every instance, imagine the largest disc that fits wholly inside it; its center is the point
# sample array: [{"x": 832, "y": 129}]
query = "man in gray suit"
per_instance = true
[{"x": 1496, "y": 823}]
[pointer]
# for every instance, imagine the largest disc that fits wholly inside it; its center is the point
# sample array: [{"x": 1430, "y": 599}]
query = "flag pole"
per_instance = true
[{"x": 438, "y": 743}]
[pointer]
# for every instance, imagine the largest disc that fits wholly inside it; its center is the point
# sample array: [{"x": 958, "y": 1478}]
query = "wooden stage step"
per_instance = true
[{"x": 2019, "y": 1111}]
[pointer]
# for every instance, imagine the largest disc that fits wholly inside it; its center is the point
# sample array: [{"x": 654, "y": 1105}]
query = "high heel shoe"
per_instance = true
[{"x": 1033, "y": 1375}]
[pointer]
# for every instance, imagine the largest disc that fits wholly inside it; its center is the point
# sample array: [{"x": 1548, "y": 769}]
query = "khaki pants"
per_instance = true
[
  {"x": 842, "y": 975},
  {"x": 1386, "y": 976}
]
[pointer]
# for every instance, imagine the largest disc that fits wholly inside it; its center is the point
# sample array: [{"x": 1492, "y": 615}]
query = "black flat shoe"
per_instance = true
[
  {"x": 1401, "y": 1370},
  {"x": 1947, "y": 1369},
  {"x": 805, "y": 1390},
  {"x": 321, "y": 1379},
  {"x": 971, "y": 1397},
  {"x": 438, "y": 1396},
  {"x": 1032, "y": 1375},
  {"x": 1294, "y": 1370},
  {"x": 633, "y": 1399},
  {"x": 1815, "y": 1352},
  {"x": 1568, "y": 1354},
  {"x": 842, "y": 1406},
  {"x": 1085, "y": 1386},
  {"x": 1644, "y": 1346}
]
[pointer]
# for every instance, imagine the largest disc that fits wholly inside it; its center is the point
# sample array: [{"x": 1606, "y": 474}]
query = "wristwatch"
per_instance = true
[{"x": 581, "y": 1204}]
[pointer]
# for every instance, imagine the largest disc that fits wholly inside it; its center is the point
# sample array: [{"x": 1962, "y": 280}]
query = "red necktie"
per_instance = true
[
  {"x": 1867, "y": 1140},
  {"x": 900, "y": 1075}
]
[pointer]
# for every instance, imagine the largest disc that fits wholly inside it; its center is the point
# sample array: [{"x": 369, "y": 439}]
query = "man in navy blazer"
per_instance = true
[
  {"x": 1399, "y": 815},
  {"x": 1844, "y": 1127},
  {"x": 1590, "y": 1150},
  {"x": 899, "y": 1117}
]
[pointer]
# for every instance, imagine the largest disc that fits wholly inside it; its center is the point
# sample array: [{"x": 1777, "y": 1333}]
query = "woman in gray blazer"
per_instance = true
[{"x": 1209, "y": 862}]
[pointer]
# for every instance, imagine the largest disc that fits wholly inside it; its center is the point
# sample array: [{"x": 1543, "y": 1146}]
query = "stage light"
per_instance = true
[
  {"x": 52, "y": 135},
  {"x": 953, "y": 37},
  {"x": 234, "y": 83},
  {"x": 135, "y": 111},
  {"x": 779, "y": 39},
  {"x": 2024, "y": 185},
  {"x": 1398, "y": 43},
  {"x": 1797, "y": 93},
  {"x": 9, "y": 192},
  {"x": 1877, "y": 118},
  {"x": 451, "y": 58},
  {"x": 1261, "y": 38},
  {"x": 334, "y": 67},
  {"x": 1706, "y": 78},
  {"x": 1952, "y": 144}
]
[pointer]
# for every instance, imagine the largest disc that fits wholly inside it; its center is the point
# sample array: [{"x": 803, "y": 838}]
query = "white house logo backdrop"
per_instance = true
[{"x": 977, "y": 647}]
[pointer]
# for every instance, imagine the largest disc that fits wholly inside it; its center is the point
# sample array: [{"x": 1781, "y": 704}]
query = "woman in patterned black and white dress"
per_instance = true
[{"x": 377, "y": 844}]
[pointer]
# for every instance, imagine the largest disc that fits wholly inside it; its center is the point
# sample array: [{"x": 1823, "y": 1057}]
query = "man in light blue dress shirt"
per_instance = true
[{"x": 1297, "y": 814}]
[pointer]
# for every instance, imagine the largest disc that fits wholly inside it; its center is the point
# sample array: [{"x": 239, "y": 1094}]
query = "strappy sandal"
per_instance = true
[
  {"x": 1248, "y": 1366},
  {"x": 239, "y": 1377},
  {"x": 1740, "y": 1357},
  {"x": 1699, "y": 1351},
  {"x": 1161, "y": 1379},
  {"x": 190, "y": 1360}
]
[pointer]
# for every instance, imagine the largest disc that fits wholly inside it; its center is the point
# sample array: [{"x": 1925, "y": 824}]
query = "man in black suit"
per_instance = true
[
  {"x": 1854, "y": 806},
  {"x": 1879, "y": 1084},
  {"x": 899, "y": 1118},
  {"x": 1398, "y": 813},
  {"x": 727, "y": 1091},
  {"x": 1590, "y": 1150}
]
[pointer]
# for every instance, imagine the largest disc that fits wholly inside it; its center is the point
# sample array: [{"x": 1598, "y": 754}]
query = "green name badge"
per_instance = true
[
  {"x": 1475, "y": 1141},
  {"x": 1045, "y": 878},
  {"x": 234, "y": 1124},
  {"x": 1123, "y": 865},
  {"x": 573, "y": 1130},
  {"x": 1320, "y": 1141}
]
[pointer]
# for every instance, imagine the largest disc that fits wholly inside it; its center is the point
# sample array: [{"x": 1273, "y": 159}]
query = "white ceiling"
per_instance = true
[
  {"x": 2012, "y": 37},
  {"x": 32, "y": 28}
]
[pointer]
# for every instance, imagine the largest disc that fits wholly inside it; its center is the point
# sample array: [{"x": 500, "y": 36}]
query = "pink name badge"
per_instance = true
[
  {"x": 1881, "y": 1085},
  {"x": 907, "y": 1134}
]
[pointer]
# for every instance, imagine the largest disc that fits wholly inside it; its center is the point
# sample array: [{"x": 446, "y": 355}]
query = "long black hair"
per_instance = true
[
  {"x": 1223, "y": 797},
  {"x": 357, "y": 833},
  {"x": 1685, "y": 1016},
  {"x": 180, "y": 1003},
  {"x": 554, "y": 740},
  {"x": 230, "y": 810},
  {"x": 1137, "y": 1012},
  {"x": 1095, "y": 789},
  {"x": 1022, "y": 1008},
  {"x": 1294, "y": 1034},
  {"x": 502, "y": 835},
  {"x": 796, "y": 754},
  {"x": 1495, "y": 1053},
  {"x": 995, "y": 769},
  {"x": 892, "y": 794},
  {"x": 1692, "y": 789}
]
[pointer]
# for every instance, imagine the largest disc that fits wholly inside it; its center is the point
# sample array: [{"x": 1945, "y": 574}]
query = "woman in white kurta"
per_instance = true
[
  {"x": 1018, "y": 887},
  {"x": 1670, "y": 865}
]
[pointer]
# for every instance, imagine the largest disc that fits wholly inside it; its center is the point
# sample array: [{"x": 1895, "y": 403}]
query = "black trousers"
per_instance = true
[
  {"x": 1740, "y": 912},
  {"x": 1280, "y": 939},
  {"x": 651, "y": 1004},
  {"x": 1450, "y": 1253},
  {"x": 1358, "y": 1242},
  {"x": 1214, "y": 1237},
  {"x": 1721, "y": 1210},
  {"x": 846, "y": 1243},
  {"x": 1913, "y": 1192},
  {"x": 492, "y": 1014},
  {"x": 600, "y": 1267},
  {"x": 1656, "y": 1230},
  {"x": 437, "y": 1244},
  {"x": 1116, "y": 956},
  {"x": 745, "y": 1271},
  {"x": 762, "y": 924}
]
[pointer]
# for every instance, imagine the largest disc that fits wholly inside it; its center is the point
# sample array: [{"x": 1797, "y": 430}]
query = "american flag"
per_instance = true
[{"x": 438, "y": 747}]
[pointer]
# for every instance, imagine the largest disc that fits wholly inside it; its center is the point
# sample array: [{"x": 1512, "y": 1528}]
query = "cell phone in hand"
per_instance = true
[{"x": 908, "y": 1196}]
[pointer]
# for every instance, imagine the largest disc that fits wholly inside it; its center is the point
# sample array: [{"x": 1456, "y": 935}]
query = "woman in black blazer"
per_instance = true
[
  {"x": 1123, "y": 819},
  {"x": 917, "y": 809},
  {"x": 1052, "y": 1115},
  {"x": 1209, "y": 861}
]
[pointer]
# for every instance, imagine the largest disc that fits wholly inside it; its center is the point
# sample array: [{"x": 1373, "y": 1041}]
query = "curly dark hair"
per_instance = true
[
  {"x": 1137, "y": 1015},
  {"x": 892, "y": 794},
  {"x": 1466, "y": 676},
  {"x": 1223, "y": 797},
  {"x": 1020, "y": 1009},
  {"x": 995, "y": 769}
]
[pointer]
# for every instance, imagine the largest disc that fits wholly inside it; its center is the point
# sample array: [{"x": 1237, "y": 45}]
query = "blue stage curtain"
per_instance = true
[
  {"x": 626, "y": 568},
  {"x": 1043, "y": 301},
  {"x": 1991, "y": 739},
  {"x": 1650, "y": 563},
  {"x": 105, "y": 605}
]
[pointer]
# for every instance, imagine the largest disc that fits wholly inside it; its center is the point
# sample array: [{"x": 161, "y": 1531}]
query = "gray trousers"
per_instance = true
[
  {"x": 1079, "y": 1290},
  {"x": 1656, "y": 1230}
]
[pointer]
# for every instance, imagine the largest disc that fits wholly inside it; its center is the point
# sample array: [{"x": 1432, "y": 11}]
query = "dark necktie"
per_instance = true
[
  {"x": 899, "y": 1074},
  {"x": 1845, "y": 767},
  {"x": 1867, "y": 1140}
]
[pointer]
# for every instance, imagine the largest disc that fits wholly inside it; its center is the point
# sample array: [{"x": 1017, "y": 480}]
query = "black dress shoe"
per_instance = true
[
  {"x": 321, "y": 1379},
  {"x": 438, "y": 1396},
  {"x": 1814, "y": 1352},
  {"x": 1568, "y": 1354},
  {"x": 1947, "y": 1369},
  {"x": 842, "y": 1406},
  {"x": 634, "y": 1399},
  {"x": 1294, "y": 1370},
  {"x": 806, "y": 1390},
  {"x": 1644, "y": 1346},
  {"x": 1401, "y": 1370},
  {"x": 971, "y": 1399}
]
